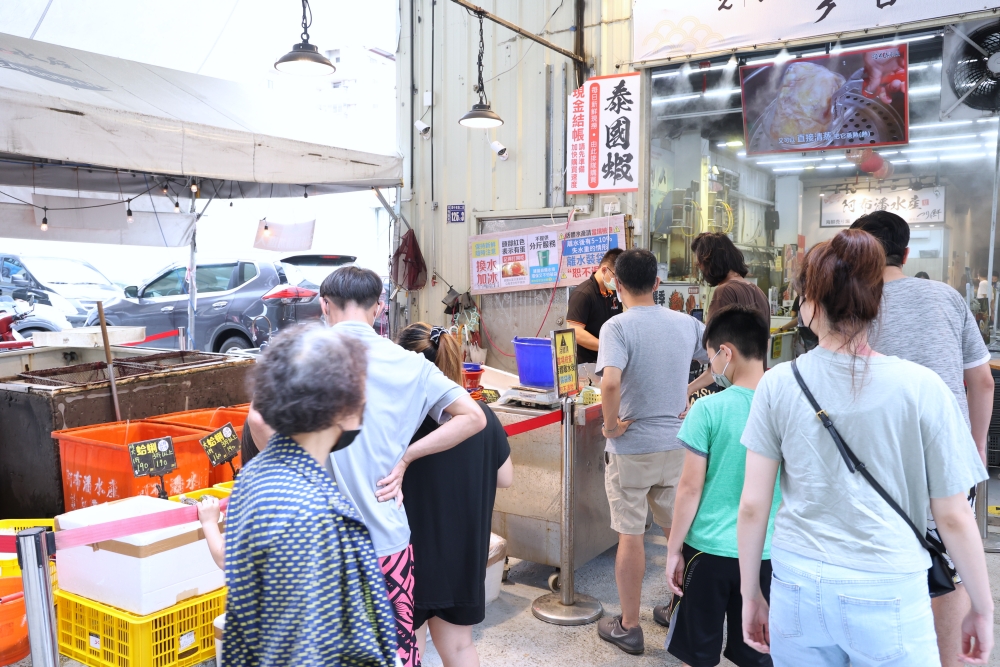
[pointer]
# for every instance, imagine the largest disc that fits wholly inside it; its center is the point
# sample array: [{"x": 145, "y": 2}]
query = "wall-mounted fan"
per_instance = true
[{"x": 971, "y": 72}]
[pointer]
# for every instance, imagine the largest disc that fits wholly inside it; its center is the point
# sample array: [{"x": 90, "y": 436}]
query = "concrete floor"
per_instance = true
[{"x": 512, "y": 637}]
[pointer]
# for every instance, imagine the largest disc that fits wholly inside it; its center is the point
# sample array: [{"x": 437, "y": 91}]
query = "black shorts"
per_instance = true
[
  {"x": 712, "y": 595},
  {"x": 472, "y": 614}
]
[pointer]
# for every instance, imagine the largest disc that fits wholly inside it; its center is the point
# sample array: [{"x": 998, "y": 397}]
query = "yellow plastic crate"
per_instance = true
[
  {"x": 225, "y": 485},
  {"x": 8, "y": 564},
  {"x": 195, "y": 495},
  {"x": 102, "y": 636}
]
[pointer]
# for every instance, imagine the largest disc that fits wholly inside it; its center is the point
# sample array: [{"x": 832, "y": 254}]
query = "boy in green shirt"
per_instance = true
[{"x": 703, "y": 567}]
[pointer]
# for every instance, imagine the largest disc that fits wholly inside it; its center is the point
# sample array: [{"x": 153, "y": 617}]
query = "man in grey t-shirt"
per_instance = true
[
  {"x": 644, "y": 358},
  {"x": 928, "y": 322}
]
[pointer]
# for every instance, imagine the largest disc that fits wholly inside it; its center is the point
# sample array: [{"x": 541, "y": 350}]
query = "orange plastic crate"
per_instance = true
[
  {"x": 13, "y": 624},
  {"x": 211, "y": 419},
  {"x": 96, "y": 467}
]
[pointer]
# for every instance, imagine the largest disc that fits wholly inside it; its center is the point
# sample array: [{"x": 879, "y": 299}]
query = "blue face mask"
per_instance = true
[{"x": 720, "y": 378}]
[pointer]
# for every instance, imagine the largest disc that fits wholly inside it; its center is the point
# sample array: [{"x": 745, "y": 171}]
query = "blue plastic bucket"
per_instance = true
[
  {"x": 472, "y": 367},
  {"x": 534, "y": 362}
]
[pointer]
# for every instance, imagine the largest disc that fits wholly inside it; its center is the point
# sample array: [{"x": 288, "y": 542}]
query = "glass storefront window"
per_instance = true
[{"x": 941, "y": 181}]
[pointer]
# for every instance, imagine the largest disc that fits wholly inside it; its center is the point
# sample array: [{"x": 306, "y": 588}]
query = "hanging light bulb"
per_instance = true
[
  {"x": 194, "y": 187},
  {"x": 164, "y": 187},
  {"x": 128, "y": 212},
  {"x": 267, "y": 230},
  {"x": 305, "y": 58},
  {"x": 481, "y": 116},
  {"x": 45, "y": 219},
  {"x": 177, "y": 206}
]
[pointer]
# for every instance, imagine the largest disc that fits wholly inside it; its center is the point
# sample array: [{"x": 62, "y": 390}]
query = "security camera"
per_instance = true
[
  {"x": 423, "y": 128},
  {"x": 499, "y": 149}
]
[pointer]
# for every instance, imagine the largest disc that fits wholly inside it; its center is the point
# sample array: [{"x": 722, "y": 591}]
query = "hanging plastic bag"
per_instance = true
[{"x": 408, "y": 268}]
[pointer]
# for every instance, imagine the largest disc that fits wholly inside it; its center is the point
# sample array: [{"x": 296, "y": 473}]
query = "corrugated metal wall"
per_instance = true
[{"x": 526, "y": 84}]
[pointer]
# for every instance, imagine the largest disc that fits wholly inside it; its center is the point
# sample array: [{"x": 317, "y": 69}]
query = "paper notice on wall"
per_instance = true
[
  {"x": 602, "y": 140},
  {"x": 542, "y": 256}
]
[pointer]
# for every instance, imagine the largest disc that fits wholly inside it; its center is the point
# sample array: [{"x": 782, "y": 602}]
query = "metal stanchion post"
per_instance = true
[
  {"x": 182, "y": 338},
  {"x": 567, "y": 607},
  {"x": 33, "y": 557},
  {"x": 990, "y": 544}
]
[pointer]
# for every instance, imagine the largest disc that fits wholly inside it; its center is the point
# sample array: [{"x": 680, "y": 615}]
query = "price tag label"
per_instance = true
[
  {"x": 221, "y": 445},
  {"x": 153, "y": 457}
]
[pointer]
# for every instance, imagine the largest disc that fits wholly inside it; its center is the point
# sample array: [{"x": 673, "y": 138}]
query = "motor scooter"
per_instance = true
[{"x": 10, "y": 339}]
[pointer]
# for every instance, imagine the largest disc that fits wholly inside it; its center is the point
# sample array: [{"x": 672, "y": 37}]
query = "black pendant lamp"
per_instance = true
[
  {"x": 481, "y": 116},
  {"x": 304, "y": 58}
]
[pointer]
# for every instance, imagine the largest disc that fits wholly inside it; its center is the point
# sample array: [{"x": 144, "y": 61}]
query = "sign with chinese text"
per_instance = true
[
  {"x": 602, "y": 140},
  {"x": 918, "y": 206},
  {"x": 540, "y": 257},
  {"x": 221, "y": 445},
  {"x": 847, "y": 100},
  {"x": 564, "y": 358},
  {"x": 661, "y": 30},
  {"x": 152, "y": 457},
  {"x": 456, "y": 213}
]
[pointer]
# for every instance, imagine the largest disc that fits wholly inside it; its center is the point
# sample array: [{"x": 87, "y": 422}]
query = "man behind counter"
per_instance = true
[{"x": 592, "y": 303}]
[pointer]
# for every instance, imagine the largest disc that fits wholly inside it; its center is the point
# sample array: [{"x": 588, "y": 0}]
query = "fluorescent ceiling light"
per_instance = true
[
  {"x": 827, "y": 166},
  {"x": 940, "y": 148},
  {"x": 808, "y": 159},
  {"x": 963, "y": 156},
  {"x": 922, "y": 66},
  {"x": 925, "y": 90},
  {"x": 742, "y": 154},
  {"x": 735, "y": 143},
  {"x": 892, "y": 43},
  {"x": 929, "y": 139},
  {"x": 665, "y": 75},
  {"x": 675, "y": 98},
  {"x": 954, "y": 123},
  {"x": 846, "y": 164},
  {"x": 791, "y": 169},
  {"x": 921, "y": 159},
  {"x": 987, "y": 120},
  {"x": 721, "y": 93}
]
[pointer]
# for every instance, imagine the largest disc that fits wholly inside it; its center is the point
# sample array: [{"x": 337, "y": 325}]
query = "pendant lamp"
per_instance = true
[
  {"x": 481, "y": 116},
  {"x": 304, "y": 58}
]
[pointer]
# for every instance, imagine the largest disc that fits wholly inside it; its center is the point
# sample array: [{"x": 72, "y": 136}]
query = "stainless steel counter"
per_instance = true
[{"x": 527, "y": 515}]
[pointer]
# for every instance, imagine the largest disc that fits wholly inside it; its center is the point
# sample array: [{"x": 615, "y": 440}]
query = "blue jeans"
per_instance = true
[{"x": 824, "y": 615}]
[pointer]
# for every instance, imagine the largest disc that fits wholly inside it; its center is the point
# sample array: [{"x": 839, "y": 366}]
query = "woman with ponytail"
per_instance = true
[
  {"x": 449, "y": 503},
  {"x": 850, "y": 570}
]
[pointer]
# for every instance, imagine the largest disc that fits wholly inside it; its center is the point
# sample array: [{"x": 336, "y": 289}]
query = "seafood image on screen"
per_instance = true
[
  {"x": 805, "y": 101},
  {"x": 851, "y": 100}
]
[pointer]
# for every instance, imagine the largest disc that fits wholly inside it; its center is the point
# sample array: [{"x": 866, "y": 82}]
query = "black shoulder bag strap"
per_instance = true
[{"x": 939, "y": 583}]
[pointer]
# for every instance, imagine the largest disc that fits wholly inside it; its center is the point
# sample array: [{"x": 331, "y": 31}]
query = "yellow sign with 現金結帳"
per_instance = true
[{"x": 564, "y": 355}]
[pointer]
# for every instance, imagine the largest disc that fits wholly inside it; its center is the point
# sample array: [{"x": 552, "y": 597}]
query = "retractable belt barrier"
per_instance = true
[
  {"x": 148, "y": 339},
  {"x": 518, "y": 428},
  {"x": 78, "y": 537}
]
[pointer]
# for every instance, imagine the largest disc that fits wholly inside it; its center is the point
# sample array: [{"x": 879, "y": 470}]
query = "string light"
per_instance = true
[
  {"x": 267, "y": 230},
  {"x": 177, "y": 206},
  {"x": 45, "y": 219},
  {"x": 194, "y": 187},
  {"x": 128, "y": 212},
  {"x": 164, "y": 187}
]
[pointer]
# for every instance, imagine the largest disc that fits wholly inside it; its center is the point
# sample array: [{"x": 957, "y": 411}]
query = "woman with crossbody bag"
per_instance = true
[{"x": 886, "y": 437}]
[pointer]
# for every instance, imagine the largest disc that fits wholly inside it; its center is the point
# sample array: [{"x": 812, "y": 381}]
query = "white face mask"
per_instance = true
[
  {"x": 611, "y": 284},
  {"x": 720, "y": 378}
]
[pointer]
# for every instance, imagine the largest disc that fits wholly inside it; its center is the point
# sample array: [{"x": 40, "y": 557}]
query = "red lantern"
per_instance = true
[
  {"x": 859, "y": 155},
  {"x": 872, "y": 163}
]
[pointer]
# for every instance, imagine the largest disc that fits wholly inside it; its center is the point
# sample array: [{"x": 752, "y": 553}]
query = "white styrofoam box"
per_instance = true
[
  {"x": 219, "y": 628},
  {"x": 88, "y": 337},
  {"x": 494, "y": 378},
  {"x": 142, "y": 573},
  {"x": 495, "y": 564}
]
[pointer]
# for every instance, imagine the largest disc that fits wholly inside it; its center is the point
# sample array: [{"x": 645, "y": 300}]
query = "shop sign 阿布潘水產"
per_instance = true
[{"x": 916, "y": 206}]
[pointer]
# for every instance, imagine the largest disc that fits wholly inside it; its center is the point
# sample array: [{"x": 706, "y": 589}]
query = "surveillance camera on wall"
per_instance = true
[
  {"x": 499, "y": 149},
  {"x": 423, "y": 128}
]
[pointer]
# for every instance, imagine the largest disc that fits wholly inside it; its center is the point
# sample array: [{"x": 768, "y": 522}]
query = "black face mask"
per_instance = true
[
  {"x": 345, "y": 439},
  {"x": 806, "y": 334}
]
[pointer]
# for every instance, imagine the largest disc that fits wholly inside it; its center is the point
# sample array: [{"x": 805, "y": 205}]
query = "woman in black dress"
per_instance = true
[{"x": 449, "y": 503}]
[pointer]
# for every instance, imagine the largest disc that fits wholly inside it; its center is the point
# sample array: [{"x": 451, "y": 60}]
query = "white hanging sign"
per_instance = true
[
  {"x": 602, "y": 140},
  {"x": 670, "y": 28},
  {"x": 914, "y": 206}
]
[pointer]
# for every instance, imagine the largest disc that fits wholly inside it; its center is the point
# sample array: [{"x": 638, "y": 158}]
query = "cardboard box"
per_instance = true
[{"x": 142, "y": 573}]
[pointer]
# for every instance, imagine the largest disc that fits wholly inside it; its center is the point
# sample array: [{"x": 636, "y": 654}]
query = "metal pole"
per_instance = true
[
  {"x": 567, "y": 607},
  {"x": 521, "y": 31},
  {"x": 991, "y": 543},
  {"x": 192, "y": 287},
  {"x": 33, "y": 557},
  {"x": 182, "y": 338},
  {"x": 993, "y": 227},
  {"x": 111, "y": 364}
]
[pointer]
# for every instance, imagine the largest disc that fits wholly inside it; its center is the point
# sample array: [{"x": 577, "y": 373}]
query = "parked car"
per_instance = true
[
  {"x": 71, "y": 286},
  {"x": 42, "y": 317},
  {"x": 240, "y": 301}
]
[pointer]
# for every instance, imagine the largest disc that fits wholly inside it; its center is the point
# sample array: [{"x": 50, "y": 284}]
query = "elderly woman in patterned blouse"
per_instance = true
[{"x": 305, "y": 586}]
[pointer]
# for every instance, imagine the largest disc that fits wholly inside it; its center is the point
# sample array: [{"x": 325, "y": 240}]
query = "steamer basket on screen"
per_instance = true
[{"x": 854, "y": 100}]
